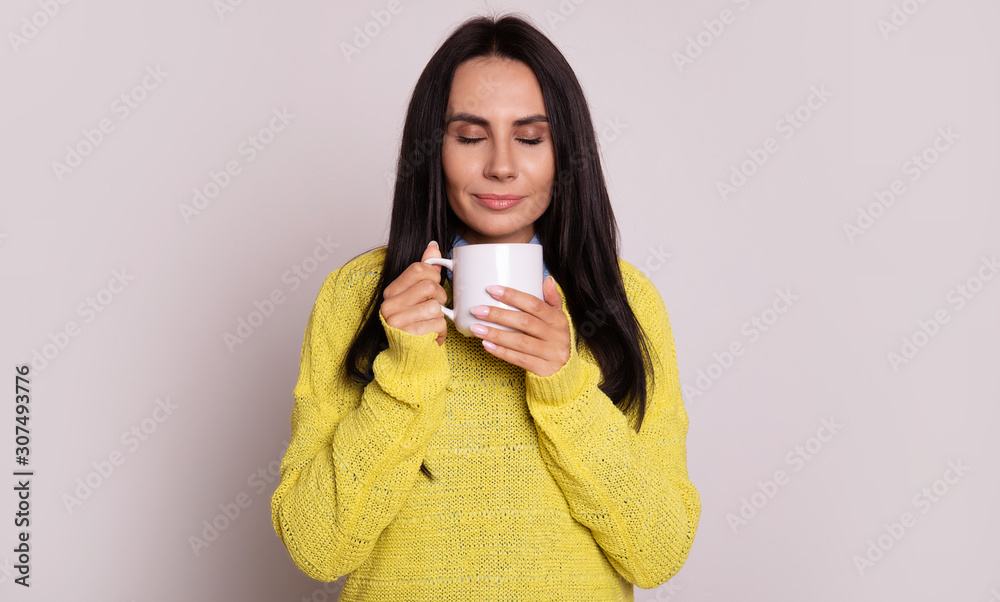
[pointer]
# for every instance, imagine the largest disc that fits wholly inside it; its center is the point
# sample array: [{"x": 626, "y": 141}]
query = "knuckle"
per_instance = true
[{"x": 431, "y": 309}]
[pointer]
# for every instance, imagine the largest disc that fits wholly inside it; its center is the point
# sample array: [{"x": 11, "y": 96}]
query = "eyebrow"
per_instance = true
[{"x": 477, "y": 120}]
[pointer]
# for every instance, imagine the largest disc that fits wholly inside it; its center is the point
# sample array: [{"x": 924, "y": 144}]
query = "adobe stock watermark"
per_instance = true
[
  {"x": 249, "y": 148},
  {"x": 122, "y": 107},
  {"x": 655, "y": 259},
  {"x": 6, "y": 570},
  {"x": 924, "y": 500},
  {"x": 563, "y": 181},
  {"x": 364, "y": 35},
  {"x": 261, "y": 480},
  {"x": 664, "y": 593},
  {"x": 751, "y": 330},
  {"x": 33, "y": 25},
  {"x": 565, "y": 10},
  {"x": 265, "y": 308},
  {"x": 958, "y": 297},
  {"x": 899, "y": 16},
  {"x": 223, "y": 8},
  {"x": 87, "y": 310},
  {"x": 712, "y": 30},
  {"x": 131, "y": 440},
  {"x": 797, "y": 458},
  {"x": 915, "y": 167},
  {"x": 429, "y": 146},
  {"x": 324, "y": 593},
  {"x": 786, "y": 126}
]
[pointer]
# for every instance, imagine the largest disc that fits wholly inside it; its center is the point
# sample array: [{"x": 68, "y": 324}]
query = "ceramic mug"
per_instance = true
[{"x": 474, "y": 267}]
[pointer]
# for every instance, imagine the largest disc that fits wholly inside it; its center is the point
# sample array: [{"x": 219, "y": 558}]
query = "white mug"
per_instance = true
[{"x": 474, "y": 267}]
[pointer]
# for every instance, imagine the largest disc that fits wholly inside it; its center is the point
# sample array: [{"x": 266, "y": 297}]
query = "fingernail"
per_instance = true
[
  {"x": 433, "y": 242},
  {"x": 479, "y": 310},
  {"x": 494, "y": 289},
  {"x": 479, "y": 329}
]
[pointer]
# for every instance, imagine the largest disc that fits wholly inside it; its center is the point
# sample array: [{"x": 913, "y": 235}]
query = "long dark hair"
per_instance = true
[{"x": 578, "y": 231}]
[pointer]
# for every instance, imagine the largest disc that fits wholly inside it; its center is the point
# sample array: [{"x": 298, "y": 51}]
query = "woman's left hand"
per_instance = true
[{"x": 542, "y": 346}]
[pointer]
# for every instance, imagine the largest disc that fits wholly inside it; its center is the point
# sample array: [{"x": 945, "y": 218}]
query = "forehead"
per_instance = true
[{"x": 500, "y": 87}]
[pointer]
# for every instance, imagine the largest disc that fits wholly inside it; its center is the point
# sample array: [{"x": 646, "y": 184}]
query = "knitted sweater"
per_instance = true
[{"x": 542, "y": 489}]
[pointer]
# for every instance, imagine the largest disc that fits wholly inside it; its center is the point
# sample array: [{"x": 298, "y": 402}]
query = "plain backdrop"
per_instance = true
[{"x": 812, "y": 186}]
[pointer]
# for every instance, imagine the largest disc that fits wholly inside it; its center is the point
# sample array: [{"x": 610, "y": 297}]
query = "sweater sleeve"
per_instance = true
[
  {"x": 354, "y": 453},
  {"x": 630, "y": 489}
]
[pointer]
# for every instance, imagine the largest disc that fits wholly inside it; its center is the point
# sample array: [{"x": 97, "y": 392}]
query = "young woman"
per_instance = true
[{"x": 545, "y": 464}]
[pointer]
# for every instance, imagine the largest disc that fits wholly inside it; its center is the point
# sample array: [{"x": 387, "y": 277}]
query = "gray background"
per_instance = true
[{"x": 671, "y": 130}]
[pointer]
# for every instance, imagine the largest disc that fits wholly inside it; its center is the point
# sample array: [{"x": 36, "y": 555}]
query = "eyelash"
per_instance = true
[{"x": 528, "y": 141}]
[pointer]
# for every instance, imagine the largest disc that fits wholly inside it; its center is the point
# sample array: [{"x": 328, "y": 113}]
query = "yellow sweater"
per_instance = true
[{"x": 542, "y": 489}]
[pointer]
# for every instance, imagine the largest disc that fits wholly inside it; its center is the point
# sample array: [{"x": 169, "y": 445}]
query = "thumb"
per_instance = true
[
  {"x": 551, "y": 292},
  {"x": 432, "y": 250}
]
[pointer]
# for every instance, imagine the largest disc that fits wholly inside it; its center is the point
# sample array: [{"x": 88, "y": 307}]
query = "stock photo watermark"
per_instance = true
[
  {"x": 265, "y": 308},
  {"x": 249, "y": 149},
  {"x": 752, "y": 330},
  {"x": 223, "y": 8},
  {"x": 914, "y": 168},
  {"x": 364, "y": 35},
  {"x": 324, "y": 593},
  {"x": 131, "y": 440},
  {"x": 33, "y": 25},
  {"x": 797, "y": 458},
  {"x": 957, "y": 297},
  {"x": 899, "y": 16},
  {"x": 786, "y": 126},
  {"x": 261, "y": 480},
  {"x": 712, "y": 30},
  {"x": 664, "y": 593},
  {"x": 655, "y": 260},
  {"x": 923, "y": 501},
  {"x": 122, "y": 107},
  {"x": 87, "y": 310},
  {"x": 562, "y": 13}
]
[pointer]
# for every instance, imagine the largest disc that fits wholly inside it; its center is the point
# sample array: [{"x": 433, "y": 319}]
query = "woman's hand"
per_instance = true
[
  {"x": 412, "y": 302},
  {"x": 542, "y": 346}
]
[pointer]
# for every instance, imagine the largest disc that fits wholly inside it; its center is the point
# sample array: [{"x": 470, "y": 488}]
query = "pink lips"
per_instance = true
[{"x": 499, "y": 201}]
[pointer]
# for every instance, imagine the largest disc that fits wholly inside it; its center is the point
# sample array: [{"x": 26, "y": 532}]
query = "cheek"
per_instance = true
[{"x": 458, "y": 167}]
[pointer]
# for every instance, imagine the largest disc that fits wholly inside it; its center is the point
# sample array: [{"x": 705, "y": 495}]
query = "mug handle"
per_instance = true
[{"x": 448, "y": 264}]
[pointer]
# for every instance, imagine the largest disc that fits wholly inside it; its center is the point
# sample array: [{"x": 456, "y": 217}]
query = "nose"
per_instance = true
[{"x": 501, "y": 164}]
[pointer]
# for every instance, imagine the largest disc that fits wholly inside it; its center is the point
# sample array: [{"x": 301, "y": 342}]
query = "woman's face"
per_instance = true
[{"x": 497, "y": 143}]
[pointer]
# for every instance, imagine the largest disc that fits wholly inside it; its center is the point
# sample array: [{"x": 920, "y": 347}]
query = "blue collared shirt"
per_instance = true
[{"x": 459, "y": 241}]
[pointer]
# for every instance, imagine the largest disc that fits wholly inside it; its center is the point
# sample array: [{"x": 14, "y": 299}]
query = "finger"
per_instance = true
[
  {"x": 521, "y": 321},
  {"x": 432, "y": 250},
  {"x": 424, "y": 326},
  {"x": 526, "y": 343},
  {"x": 525, "y": 302},
  {"x": 415, "y": 272},
  {"x": 527, "y": 361},
  {"x": 401, "y": 316},
  {"x": 551, "y": 293},
  {"x": 419, "y": 289}
]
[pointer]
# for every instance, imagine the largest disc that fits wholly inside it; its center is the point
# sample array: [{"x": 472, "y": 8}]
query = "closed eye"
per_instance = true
[{"x": 529, "y": 141}]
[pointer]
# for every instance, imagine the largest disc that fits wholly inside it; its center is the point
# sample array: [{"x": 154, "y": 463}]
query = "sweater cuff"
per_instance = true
[
  {"x": 414, "y": 368},
  {"x": 569, "y": 382}
]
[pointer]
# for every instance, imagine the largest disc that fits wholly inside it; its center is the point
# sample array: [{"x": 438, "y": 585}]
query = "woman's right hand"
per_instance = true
[{"x": 412, "y": 302}]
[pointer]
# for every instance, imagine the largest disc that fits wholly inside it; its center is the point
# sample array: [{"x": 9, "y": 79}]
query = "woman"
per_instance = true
[{"x": 548, "y": 465}]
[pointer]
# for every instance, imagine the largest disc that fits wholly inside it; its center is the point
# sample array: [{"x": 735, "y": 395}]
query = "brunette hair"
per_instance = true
[{"x": 578, "y": 231}]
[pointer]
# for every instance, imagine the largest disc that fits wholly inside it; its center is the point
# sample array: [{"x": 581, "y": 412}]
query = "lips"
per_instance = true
[{"x": 499, "y": 201}]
